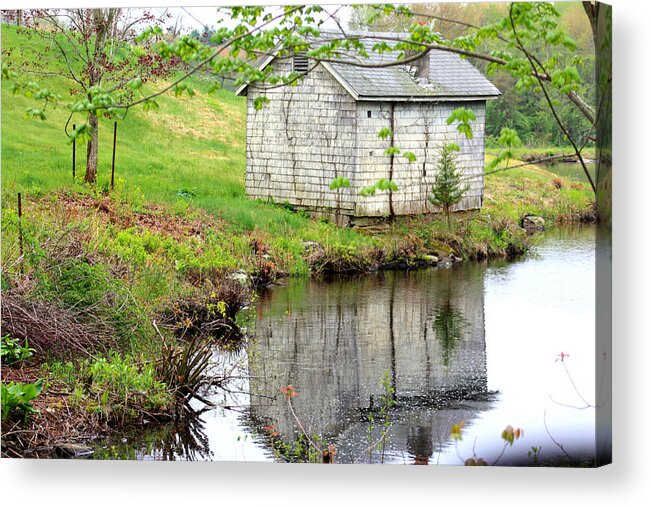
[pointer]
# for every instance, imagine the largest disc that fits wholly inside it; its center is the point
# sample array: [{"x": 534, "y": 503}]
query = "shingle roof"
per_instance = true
[{"x": 450, "y": 76}]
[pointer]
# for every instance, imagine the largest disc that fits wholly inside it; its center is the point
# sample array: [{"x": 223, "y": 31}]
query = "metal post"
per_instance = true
[
  {"x": 115, "y": 135},
  {"x": 20, "y": 230},
  {"x": 74, "y": 151}
]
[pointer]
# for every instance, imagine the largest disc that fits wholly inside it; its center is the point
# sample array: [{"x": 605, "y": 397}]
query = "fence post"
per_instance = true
[
  {"x": 115, "y": 135},
  {"x": 74, "y": 151},
  {"x": 20, "y": 230}
]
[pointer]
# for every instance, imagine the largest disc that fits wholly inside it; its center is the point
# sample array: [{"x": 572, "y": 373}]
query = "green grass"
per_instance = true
[{"x": 190, "y": 155}]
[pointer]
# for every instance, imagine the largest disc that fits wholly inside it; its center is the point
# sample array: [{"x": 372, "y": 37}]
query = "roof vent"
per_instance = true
[{"x": 300, "y": 63}]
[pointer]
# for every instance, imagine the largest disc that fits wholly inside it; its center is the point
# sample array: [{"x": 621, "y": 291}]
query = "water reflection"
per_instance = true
[
  {"x": 474, "y": 343},
  {"x": 333, "y": 341},
  {"x": 183, "y": 440}
]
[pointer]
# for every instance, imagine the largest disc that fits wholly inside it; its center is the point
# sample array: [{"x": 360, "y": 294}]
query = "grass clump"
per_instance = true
[{"x": 116, "y": 388}]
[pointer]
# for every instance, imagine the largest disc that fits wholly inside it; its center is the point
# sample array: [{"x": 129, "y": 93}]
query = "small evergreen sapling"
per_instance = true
[{"x": 448, "y": 188}]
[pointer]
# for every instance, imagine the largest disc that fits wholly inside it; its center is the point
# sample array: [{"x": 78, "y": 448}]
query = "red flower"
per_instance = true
[
  {"x": 289, "y": 391},
  {"x": 562, "y": 356}
]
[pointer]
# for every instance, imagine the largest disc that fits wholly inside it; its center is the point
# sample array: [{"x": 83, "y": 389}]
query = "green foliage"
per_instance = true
[
  {"x": 507, "y": 141},
  {"x": 382, "y": 185},
  {"x": 116, "y": 387},
  {"x": 448, "y": 188},
  {"x": 17, "y": 398},
  {"x": 464, "y": 116},
  {"x": 299, "y": 450},
  {"x": 260, "y": 101},
  {"x": 13, "y": 351},
  {"x": 384, "y": 133},
  {"x": 409, "y": 155},
  {"x": 339, "y": 182},
  {"x": 80, "y": 284}
]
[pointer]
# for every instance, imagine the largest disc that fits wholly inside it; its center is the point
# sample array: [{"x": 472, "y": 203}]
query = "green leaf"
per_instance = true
[
  {"x": 509, "y": 138},
  {"x": 135, "y": 83},
  {"x": 35, "y": 113},
  {"x": 464, "y": 116},
  {"x": 409, "y": 155},
  {"x": 150, "y": 104},
  {"x": 259, "y": 101},
  {"x": 384, "y": 133},
  {"x": 340, "y": 182}
]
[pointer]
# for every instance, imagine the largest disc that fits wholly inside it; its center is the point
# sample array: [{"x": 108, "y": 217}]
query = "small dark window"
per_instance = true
[
  {"x": 300, "y": 63},
  {"x": 368, "y": 114}
]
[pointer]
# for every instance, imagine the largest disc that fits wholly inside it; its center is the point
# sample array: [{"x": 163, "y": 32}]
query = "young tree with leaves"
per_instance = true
[
  {"x": 93, "y": 50},
  {"x": 448, "y": 188}
]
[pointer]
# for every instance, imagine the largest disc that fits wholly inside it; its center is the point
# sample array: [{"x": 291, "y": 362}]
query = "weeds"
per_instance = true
[
  {"x": 115, "y": 388},
  {"x": 184, "y": 368},
  {"x": 13, "y": 351},
  {"x": 209, "y": 314},
  {"x": 17, "y": 399}
]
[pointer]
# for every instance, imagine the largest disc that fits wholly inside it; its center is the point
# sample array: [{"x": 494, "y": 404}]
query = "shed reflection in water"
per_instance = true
[{"x": 334, "y": 341}]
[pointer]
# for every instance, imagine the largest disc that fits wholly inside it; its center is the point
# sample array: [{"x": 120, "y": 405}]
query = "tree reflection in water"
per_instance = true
[
  {"x": 334, "y": 341},
  {"x": 183, "y": 440}
]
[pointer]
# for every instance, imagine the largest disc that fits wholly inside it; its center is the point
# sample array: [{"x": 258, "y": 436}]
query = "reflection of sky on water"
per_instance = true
[{"x": 535, "y": 310}]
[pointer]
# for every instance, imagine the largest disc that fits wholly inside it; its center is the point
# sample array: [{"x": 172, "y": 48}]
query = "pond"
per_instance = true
[
  {"x": 480, "y": 345},
  {"x": 573, "y": 171}
]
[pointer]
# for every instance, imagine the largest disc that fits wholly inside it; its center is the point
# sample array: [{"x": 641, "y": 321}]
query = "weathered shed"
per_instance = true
[{"x": 327, "y": 125}]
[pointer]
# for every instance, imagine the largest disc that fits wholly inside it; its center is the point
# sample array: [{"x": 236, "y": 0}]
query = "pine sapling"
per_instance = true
[{"x": 448, "y": 188}]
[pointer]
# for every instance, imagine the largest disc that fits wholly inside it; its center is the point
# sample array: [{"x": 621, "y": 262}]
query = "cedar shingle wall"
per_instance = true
[
  {"x": 311, "y": 133},
  {"x": 300, "y": 141},
  {"x": 422, "y": 128}
]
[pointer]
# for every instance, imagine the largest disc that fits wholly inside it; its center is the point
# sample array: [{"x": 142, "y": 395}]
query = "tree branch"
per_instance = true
[{"x": 532, "y": 62}]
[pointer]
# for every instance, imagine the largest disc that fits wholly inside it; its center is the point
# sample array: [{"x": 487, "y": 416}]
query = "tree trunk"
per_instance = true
[
  {"x": 600, "y": 17},
  {"x": 91, "y": 153}
]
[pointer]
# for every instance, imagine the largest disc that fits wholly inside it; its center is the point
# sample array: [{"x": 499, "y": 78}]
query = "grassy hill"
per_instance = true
[{"x": 190, "y": 156}]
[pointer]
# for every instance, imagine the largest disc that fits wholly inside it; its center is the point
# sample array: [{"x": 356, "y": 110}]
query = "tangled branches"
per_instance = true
[{"x": 50, "y": 329}]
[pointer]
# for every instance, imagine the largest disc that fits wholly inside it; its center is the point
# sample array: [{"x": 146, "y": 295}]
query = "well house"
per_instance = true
[{"x": 327, "y": 126}]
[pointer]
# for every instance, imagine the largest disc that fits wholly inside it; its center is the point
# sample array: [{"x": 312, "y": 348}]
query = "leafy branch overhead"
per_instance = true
[
  {"x": 463, "y": 116},
  {"x": 508, "y": 140}
]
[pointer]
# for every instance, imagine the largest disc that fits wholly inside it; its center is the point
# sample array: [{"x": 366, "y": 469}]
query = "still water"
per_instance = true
[
  {"x": 491, "y": 345},
  {"x": 573, "y": 171}
]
